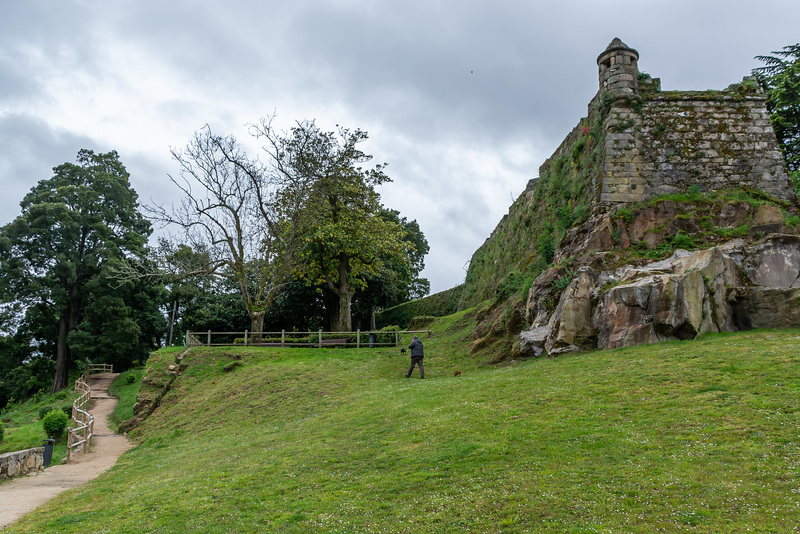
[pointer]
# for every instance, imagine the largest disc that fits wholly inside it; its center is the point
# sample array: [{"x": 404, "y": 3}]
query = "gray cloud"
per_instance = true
[
  {"x": 31, "y": 148},
  {"x": 464, "y": 99}
]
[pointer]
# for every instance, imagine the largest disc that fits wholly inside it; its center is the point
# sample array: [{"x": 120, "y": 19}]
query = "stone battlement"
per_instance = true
[{"x": 666, "y": 142}]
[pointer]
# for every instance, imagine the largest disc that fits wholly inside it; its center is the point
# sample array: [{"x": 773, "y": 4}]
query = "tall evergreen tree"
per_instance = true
[{"x": 53, "y": 256}]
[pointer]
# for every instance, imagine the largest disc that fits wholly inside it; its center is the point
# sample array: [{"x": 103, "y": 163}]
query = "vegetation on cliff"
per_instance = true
[{"x": 525, "y": 241}]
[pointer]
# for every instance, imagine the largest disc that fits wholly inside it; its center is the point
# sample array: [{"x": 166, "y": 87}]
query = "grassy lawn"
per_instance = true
[
  {"x": 695, "y": 436},
  {"x": 23, "y": 430}
]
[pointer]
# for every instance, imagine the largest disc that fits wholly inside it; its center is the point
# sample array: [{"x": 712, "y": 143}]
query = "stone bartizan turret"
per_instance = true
[{"x": 619, "y": 71}]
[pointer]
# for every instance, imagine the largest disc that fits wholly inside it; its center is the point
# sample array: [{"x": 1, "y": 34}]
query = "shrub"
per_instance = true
[
  {"x": 67, "y": 409},
  {"x": 564, "y": 280},
  {"x": 683, "y": 240},
  {"x": 2, "y": 431},
  {"x": 55, "y": 422},
  {"x": 44, "y": 410},
  {"x": 546, "y": 246},
  {"x": 131, "y": 378}
]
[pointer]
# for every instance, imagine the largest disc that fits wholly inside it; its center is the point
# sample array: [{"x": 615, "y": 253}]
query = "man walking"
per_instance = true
[{"x": 416, "y": 357}]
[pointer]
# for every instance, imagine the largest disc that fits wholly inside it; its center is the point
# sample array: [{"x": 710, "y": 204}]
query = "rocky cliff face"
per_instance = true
[{"x": 734, "y": 286}]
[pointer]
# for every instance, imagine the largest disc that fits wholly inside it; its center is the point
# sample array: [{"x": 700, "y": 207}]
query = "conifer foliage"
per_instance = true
[{"x": 780, "y": 79}]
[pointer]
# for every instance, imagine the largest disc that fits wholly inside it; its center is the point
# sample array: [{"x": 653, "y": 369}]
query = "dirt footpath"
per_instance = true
[{"x": 21, "y": 495}]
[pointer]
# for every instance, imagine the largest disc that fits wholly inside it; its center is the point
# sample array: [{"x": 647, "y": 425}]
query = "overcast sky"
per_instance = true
[{"x": 463, "y": 99}]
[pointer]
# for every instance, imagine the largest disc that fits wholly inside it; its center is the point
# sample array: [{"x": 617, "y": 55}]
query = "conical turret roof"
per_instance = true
[{"x": 617, "y": 44}]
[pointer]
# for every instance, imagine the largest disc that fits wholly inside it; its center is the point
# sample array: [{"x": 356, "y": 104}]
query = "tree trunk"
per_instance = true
[
  {"x": 257, "y": 325},
  {"x": 66, "y": 324},
  {"x": 343, "y": 319},
  {"x": 61, "y": 377}
]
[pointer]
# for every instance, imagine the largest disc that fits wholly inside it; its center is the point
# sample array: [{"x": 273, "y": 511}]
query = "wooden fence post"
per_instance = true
[
  {"x": 186, "y": 341},
  {"x": 209, "y": 338},
  {"x": 396, "y": 338},
  {"x": 283, "y": 337},
  {"x": 319, "y": 341},
  {"x": 245, "y": 338},
  {"x": 85, "y": 432},
  {"x": 358, "y": 338}
]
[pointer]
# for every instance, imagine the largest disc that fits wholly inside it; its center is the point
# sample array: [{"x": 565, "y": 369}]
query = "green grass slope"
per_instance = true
[
  {"x": 695, "y": 436},
  {"x": 23, "y": 428}
]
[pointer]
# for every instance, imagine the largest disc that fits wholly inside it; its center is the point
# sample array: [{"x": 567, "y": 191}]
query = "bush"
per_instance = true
[
  {"x": 2, "y": 431},
  {"x": 131, "y": 378},
  {"x": 67, "y": 409},
  {"x": 54, "y": 423},
  {"x": 44, "y": 410}
]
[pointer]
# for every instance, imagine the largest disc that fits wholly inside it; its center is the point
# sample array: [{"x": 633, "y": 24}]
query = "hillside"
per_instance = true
[{"x": 698, "y": 437}]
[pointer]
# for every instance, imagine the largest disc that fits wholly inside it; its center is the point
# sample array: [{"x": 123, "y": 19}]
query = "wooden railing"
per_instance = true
[
  {"x": 92, "y": 368},
  {"x": 82, "y": 431},
  {"x": 316, "y": 339}
]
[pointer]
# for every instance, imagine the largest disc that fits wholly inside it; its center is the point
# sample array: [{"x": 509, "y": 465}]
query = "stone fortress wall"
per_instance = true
[{"x": 664, "y": 142}]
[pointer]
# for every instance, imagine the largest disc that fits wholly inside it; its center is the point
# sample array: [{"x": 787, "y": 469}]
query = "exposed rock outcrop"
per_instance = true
[
  {"x": 570, "y": 327},
  {"x": 726, "y": 288}
]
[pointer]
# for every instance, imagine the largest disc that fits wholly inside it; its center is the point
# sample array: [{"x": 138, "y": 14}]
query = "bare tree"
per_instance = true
[{"x": 233, "y": 210}]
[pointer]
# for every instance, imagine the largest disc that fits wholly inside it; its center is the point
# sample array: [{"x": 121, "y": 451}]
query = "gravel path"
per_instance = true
[{"x": 21, "y": 495}]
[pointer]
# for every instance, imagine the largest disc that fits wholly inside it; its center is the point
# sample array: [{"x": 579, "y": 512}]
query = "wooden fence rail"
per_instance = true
[
  {"x": 82, "y": 430},
  {"x": 318, "y": 339},
  {"x": 92, "y": 368}
]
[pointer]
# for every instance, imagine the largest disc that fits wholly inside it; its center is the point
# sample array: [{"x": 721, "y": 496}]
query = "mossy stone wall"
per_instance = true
[{"x": 710, "y": 140}]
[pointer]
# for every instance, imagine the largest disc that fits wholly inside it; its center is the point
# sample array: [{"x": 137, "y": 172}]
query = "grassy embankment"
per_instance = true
[
  {"x": 685, "y": 436},
  {"x": 23, "y": 429},
  {"x": 126, "y": 393}
]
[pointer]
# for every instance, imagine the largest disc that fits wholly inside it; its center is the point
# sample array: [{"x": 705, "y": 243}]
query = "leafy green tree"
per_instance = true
[
  {"x": 780, "y": 78},
  {"x": 345, "y": 239},
  {"x": 22, "y": 371},
  {"x": 415, "y": 286},
  {"x": 300, "y": 308},
  {"x": 185, "y": 291},
  {"x": 395, "y": 281},
  {"x": 122, "y": 324},
  {"x": 53, "y": 255},
  {"x": 217, "y": 307}
]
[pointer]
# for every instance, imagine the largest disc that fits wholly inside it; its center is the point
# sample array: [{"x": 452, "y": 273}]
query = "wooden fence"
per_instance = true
[
  {"x": 92, "y": 368},
  {"x": 318, "y": 339},
  {"x": 82, "y": 430}
]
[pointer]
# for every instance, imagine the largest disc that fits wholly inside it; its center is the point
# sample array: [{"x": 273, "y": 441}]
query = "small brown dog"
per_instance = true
[{"x": 457, "y": 373}]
